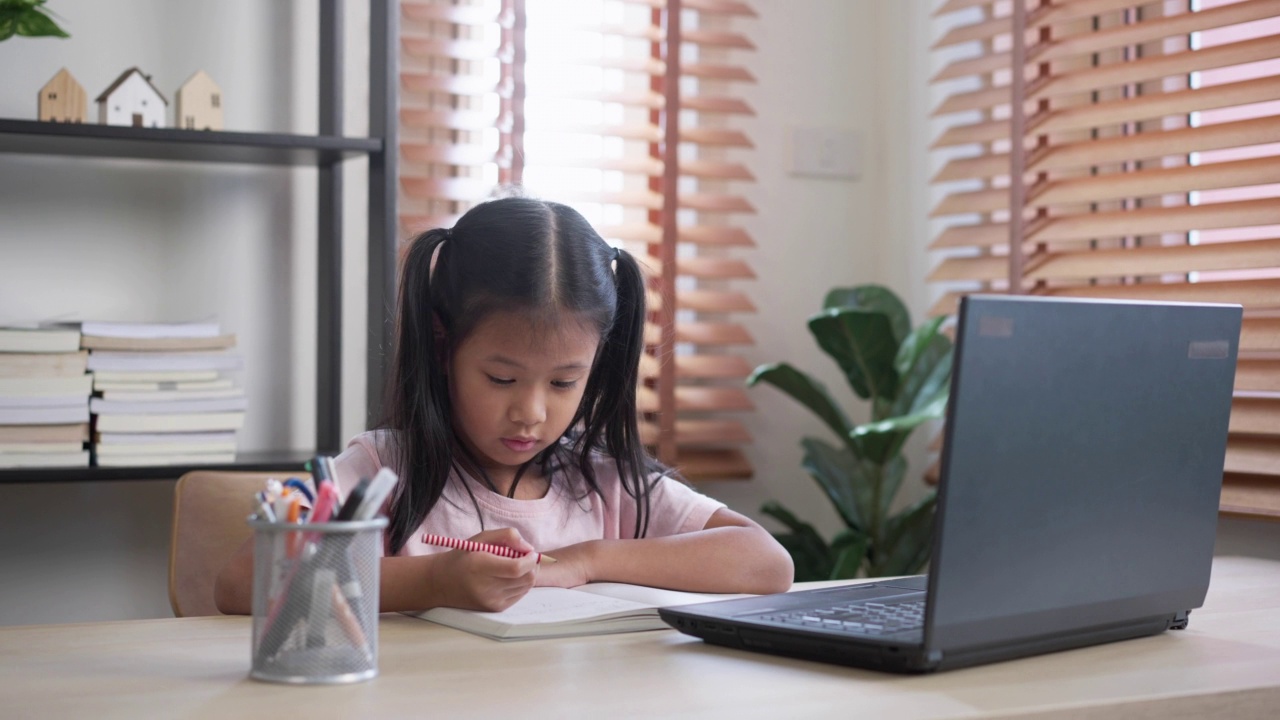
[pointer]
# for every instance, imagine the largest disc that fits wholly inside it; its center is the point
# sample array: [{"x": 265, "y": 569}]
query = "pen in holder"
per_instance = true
[{"x": 315, "y": 600}]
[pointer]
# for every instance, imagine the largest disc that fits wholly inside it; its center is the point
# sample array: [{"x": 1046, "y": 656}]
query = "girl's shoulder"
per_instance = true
[{"x": 374, "y": 446}]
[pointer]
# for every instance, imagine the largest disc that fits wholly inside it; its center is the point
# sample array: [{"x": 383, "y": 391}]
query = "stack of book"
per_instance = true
[
  {"x": 162, "y": 393},
  {"x": 44, "y": 398}
]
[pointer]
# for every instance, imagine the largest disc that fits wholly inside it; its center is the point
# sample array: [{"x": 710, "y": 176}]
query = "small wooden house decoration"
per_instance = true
[
  {"x": 132, "y": 100},
  {"x": 198, "y": 104},
  {"x": 63, "y": 99}
]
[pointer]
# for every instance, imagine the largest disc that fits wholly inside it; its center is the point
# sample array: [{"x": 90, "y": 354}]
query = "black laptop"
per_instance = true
[{"x": 1078, "y": 499}]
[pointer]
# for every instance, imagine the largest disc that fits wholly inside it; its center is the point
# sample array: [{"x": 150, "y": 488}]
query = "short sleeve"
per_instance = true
[
  {"x": 676, "y": 508},
  {"x": 361, "y": 459}
]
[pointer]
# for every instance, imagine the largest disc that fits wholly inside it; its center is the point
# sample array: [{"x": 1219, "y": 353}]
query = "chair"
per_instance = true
[{"x": 209, "y": 512}]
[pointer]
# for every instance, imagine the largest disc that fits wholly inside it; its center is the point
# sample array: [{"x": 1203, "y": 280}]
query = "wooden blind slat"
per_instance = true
[
  {"x": 710, "y": 71},
  {"x": 416, "y": 117},
  {"x": 1158, "y": 181},
  {"x": 717, "y": 104},
  {"x": 700, "y": 367},
  {"x": 716, "y": 136},
  {"x": 978, "y": 132},
  {"x": 951, "y": 6},
  {"x": 1146, "y": 221},
  {"x": 714, "y": 301},
  {"x": 1255, "y": 415},
  {"x": 721, "y": 235},
  {"x": 714, "y": 38},
  {"x": 1258, "y": 375},
  {"x": 1154, "y": 29},
  {"x": 973, "y": 202},
  {"x": 721, "y": 7},
  {"x": 1156, "y": 105},
  {"x": 700, "y": 432},
  {"x": 713, "y": 333},
  {"x": 716, "y": 202},
  {"x": 458, "y": 189},
  {"x": 1241, "y": 133},
  {"x": 1253, "y": 456},
  {"x": 984, "y": 99},
  {"x": 1250, "y": 496},
  {"x": 713, "y": 170},
  {"x": 985, "y": 268},
  {"x": 1159, "y": 66},
  {"x": 981, "y": 65},
  {"x": 1157, "y": 260},
  {"x": 983, "y": 234},
  {"x": 712, "y": 464},
  {"x": 1260, "y": 334},
  {"x": 981, "y": 30},
  {"x": 1249, "y": 293},
  {"x": 980, "y": 167},
  {"x": 432, "y": 47},
  {"x": 440, "y": 12},
  {"x": 424, "y": 82},
  {"x": 415, "y": 152}
]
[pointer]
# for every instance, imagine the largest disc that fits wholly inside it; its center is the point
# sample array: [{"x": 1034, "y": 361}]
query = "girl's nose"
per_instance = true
[{"x": 528, "y": 409}]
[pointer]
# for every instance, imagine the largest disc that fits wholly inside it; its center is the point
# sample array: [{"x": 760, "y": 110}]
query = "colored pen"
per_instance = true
[{"x": 472, "y": 546}]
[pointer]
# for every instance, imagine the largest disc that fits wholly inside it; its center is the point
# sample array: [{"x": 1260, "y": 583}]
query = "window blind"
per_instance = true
[
  {"x": 1111, "y": 148},
  {"x": 626, "y": 110}
]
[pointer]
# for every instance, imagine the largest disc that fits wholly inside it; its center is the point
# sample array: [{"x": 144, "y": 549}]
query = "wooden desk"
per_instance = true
[{"x": 1227, "y": 664}]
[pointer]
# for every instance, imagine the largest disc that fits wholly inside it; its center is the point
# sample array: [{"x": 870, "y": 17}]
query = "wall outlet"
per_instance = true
[{"x": 826, "y": 152}]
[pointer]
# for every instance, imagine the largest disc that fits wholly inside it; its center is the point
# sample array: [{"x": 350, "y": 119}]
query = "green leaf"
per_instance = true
[
  {"x": 841, "y": 477},
  {"x": 809, "y": 552},
  {"x": 806, "y": 391},
  {"x": 917, "y": 364},
  {"x": 880, "y": 440},
  {"x": 891, "y": 480},
  {"x": 36, "y": 24},
  {"x": 877, "y": 298},
  {"x": 862, "y": 344},
  {"x": 850, "y": 549},
  {"x": 908, "y": 540}
]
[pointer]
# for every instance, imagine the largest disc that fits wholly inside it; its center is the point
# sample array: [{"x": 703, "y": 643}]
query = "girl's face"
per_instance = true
[{"x": 516, "y": 387}]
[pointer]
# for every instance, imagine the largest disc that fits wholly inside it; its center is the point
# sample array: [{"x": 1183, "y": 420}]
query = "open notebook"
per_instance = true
[{"x": 592, "y": 609}]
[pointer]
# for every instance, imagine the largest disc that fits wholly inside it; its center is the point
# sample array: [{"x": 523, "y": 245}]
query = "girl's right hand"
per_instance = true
[{"x": 482, "y": 580}]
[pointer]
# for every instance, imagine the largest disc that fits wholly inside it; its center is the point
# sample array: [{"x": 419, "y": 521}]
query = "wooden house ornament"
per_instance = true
[
  {"x": 198, "y": 104},
  {"x": 132, "y": 100},
  {"x": 63, "y": 99}
]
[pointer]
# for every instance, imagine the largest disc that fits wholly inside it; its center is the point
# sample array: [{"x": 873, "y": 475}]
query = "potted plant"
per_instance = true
[{"x": 906, "y": 375}]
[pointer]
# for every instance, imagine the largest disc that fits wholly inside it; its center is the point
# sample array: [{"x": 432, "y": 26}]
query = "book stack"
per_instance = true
[
  {"x": 162, "y": 393},
  {"x": 44, "y": 398}
]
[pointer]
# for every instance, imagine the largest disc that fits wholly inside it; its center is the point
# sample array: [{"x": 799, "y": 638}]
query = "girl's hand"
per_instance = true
[
  {"x": 484, "y": 581},
  {"x": 571, "y": 568}
]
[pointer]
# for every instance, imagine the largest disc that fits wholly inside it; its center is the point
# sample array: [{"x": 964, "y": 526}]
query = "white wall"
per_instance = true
[{"x": 94, "y": 236}]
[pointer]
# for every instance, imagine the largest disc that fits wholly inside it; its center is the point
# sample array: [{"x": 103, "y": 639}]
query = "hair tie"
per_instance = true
[
  {"x": 448, "y": 233},
  {"x": 617, "y": 253}
]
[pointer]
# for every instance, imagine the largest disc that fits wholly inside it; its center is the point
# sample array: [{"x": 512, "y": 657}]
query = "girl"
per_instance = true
[{"x": 512, "y": 421}]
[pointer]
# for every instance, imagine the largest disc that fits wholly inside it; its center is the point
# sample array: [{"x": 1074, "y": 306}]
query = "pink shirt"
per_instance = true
[{"x": 558, "y": 519}]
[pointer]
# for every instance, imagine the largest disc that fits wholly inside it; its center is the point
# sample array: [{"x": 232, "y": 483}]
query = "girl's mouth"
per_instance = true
[{"x": 520, "y": 444}]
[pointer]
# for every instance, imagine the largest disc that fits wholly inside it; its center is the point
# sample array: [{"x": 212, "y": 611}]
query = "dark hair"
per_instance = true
[{"x": 525, "y": 255}]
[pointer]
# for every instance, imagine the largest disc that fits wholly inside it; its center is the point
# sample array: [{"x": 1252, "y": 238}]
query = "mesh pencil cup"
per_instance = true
[{"x": 315, "y": 601}]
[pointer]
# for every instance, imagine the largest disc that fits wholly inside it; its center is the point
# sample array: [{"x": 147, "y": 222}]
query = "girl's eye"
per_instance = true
[
  {"x": 564, "y": 384},
  {"x": 499, "y": 381}
]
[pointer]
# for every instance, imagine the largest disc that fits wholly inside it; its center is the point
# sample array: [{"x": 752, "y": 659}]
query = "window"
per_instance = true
[
  {"x": 1104, "y": 148},
  {"x": 585, "y": 102}
]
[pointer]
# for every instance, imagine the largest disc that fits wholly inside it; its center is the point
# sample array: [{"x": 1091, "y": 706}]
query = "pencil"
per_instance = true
[{"x": 472, "y": 546}]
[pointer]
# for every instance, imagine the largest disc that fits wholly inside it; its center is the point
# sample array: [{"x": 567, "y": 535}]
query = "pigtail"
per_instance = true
[
  {"x": 418, "y": 397},
  {"x": 609, "y": 417}
]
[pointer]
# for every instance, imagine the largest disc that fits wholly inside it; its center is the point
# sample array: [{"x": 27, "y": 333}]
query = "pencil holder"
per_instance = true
[{"x": 315, "y": 601}]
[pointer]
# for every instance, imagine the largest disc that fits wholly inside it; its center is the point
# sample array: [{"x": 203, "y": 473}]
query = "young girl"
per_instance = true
[{"x": 512, "y": 421}]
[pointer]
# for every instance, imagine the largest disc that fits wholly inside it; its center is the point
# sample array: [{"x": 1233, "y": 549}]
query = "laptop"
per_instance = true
[{"x": 1077, "y": 503}]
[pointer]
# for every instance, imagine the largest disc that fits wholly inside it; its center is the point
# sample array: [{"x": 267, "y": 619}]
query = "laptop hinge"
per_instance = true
[{"x": 1180, "y": 620}]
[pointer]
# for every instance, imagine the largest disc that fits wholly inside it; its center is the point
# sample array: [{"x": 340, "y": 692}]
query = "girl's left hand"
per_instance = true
[{"x": 571, "y": 568}]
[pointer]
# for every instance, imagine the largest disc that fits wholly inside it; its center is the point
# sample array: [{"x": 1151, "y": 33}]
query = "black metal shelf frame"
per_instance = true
[{"x": 327, "y": 151}]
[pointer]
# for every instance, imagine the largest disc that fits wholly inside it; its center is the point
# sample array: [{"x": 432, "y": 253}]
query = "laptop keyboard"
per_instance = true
[{"x": 869, "y": 618}]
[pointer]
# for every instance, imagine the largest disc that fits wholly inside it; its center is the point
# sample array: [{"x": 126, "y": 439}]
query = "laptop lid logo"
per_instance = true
[
  {"x": 1208, "y": 349},
  {"x": 995, "y": 326}
]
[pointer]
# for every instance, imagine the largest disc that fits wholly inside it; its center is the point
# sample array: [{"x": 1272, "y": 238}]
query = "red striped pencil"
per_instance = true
[{"x": 472, "y": 546}]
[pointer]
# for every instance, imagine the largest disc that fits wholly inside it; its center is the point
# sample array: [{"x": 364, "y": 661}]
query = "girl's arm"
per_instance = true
[
  {"x": 472, "y": 580},
  {"x": 731, "y": 554}
]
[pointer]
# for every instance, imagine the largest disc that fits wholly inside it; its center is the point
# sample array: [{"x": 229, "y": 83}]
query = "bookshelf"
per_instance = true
[{"x": 328, "y": 151}]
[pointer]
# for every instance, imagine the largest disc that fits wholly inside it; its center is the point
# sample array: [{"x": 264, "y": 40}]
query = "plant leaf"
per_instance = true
[
  {"x": 806, "y": 391},
  {"x": 35, "y": 23},
  {"x": 850, "y": 549},
  {"x": 908, "y": 539},
  {"x": 923, "y": 363},
  {"x": 841, "y": 477},
  {"x": 894, "y": 471},
  {"x": 809, "y": 552},
  {"x": 862, "y": 344},
  {"x": 873, "y": 297}
]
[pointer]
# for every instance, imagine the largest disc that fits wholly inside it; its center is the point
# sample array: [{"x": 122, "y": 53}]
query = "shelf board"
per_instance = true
[
  {"x": 281, "y": 461},
  {"x": 111, "y": 141}
]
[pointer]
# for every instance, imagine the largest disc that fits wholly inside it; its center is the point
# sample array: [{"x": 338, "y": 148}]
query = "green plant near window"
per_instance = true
[
  {"x": 906, "y": 375},
  {"x": 27, "y": 18}
]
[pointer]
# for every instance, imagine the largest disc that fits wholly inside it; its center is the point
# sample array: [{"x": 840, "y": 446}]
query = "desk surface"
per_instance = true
[{"x": 1226, "y": 664}]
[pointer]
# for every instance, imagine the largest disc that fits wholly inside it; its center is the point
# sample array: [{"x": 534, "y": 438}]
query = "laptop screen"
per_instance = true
[{"x": 1082, "y": 465}]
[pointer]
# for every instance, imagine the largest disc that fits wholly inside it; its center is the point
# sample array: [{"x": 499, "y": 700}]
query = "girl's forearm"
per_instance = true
[{"x": 715, "y": 560}]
